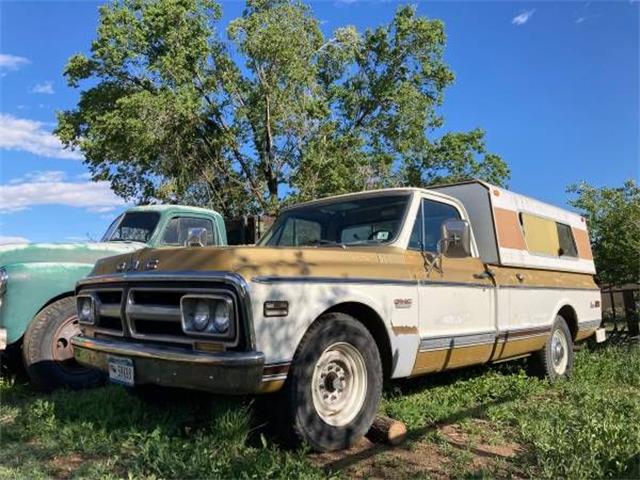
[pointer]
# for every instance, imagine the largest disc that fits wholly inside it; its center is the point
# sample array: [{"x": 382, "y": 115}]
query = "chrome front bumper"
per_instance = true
[{"x": 220, "y": 372}]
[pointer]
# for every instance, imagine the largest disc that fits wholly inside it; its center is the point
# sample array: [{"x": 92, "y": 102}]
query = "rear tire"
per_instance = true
[
  {"x": 555, "y": 360},
  {"x": 47, "y": 352},
  {"x": 334, "y": 385}
]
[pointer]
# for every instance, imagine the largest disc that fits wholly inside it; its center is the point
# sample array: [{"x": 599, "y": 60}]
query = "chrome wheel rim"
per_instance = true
[
  {"x": 559, "y": 352},
  {"x": 339, "y": 384},
  {"x": 62, "y": 348}
]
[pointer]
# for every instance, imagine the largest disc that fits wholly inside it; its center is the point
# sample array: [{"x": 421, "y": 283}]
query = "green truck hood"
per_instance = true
[{"x": 87, "y": 252}]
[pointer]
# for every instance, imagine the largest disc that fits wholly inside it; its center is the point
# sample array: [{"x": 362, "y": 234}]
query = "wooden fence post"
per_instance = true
[{"x": 631, "y": 314}]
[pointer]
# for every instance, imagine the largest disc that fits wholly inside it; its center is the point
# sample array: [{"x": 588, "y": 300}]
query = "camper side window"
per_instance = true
[
  {"x": 566, "y": 240},
  {"x": 546, "y": 237}
]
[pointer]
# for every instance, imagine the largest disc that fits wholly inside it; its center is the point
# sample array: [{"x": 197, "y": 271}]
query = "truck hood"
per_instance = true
[
  {"x": 87, "y": 252},
  {"x": 251, "y": 261}
]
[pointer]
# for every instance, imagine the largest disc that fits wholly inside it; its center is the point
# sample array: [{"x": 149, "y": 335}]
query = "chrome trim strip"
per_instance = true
[
  {"x": 534, "y": 287},
  {"x": 108, "y": 310},
  {"x": 268, "y": 279},
  {"x": 153, "y": 312},
  {"x": 525, "y": 332},
  {"x": 271, "y": 378},
  {"x": 449, "y": 342},
  {"x": 507, "y": 338},
  {"x": 435, "y": 283}
]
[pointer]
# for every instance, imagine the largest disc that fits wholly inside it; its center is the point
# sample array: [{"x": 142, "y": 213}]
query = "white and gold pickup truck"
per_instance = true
[{"x": 344, "y": 293}]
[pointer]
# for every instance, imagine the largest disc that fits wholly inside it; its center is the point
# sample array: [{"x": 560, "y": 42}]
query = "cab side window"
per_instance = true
[
  {"x": 435, "y": 214},
  {"x": 177, "y": 230},
  {"x": 428, "y": 223}
]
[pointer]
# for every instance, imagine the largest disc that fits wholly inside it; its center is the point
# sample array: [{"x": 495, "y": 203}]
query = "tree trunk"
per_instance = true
[
  {"x": 630, "y": 313},
  {"x": 387, "y": 430}
]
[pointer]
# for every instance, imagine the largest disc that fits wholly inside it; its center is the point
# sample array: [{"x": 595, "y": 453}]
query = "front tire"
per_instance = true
[
  {"x": 335, "y": 383},
  {"x": 555, "y": 360},
  {"x": 47, "y": 352}
]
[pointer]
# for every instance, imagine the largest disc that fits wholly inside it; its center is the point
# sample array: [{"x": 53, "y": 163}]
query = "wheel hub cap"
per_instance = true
[
  {"x": 559, "y": 347},
  {"x": 62, "y": 348},
  {"x": 339, "y": 384}
]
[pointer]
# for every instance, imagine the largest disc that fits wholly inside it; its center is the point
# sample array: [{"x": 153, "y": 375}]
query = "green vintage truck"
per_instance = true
[{"x": 37, "y": 281}]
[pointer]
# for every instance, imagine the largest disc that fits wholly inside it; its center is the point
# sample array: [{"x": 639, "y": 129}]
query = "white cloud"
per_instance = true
[
  {"x": 6, "y": 239},
  {"x": 40, "y": 176},
  {"x": 44, "y": 87},
  {"x": 31, "y": 136},
  {"x": 101, "y": 209},
  {"x": 51, "y": 188},
  {"x": 12, "y": 62},
  {"x": 523, "y": 18}
]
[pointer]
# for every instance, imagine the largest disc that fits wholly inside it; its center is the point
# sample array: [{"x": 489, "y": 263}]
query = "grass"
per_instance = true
[{"x": 587, "y": 427}]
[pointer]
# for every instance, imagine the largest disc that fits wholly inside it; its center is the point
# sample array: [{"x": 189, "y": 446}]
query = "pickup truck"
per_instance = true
[
  {"x": 344, "y": 293},
  {"x": 37, "y": 281}
]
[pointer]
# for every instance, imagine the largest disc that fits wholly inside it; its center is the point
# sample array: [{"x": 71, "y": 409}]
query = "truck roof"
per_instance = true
[{"x": 175, "y": 208}]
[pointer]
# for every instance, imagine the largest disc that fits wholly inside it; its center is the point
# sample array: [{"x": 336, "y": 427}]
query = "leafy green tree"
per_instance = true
[
  {"x": 613, "y": 218},
  {"x": 274, "y": 112}
]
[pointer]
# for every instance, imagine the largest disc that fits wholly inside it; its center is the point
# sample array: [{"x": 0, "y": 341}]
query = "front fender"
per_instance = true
[
  {"x": 30, "y": 287},
  {"x": 278, "y": 337}
]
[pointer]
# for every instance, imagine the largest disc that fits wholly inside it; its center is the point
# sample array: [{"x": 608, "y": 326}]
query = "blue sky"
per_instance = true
[{"x": 554, "y": 84}]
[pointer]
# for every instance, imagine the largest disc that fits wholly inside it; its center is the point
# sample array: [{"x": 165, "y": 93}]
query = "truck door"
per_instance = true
[{"x": 456, "y": 301}]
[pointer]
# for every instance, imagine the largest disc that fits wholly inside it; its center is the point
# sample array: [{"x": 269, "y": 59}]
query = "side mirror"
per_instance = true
[
  {"x": 196, "y": 237},
  {"x": 455, "y": 239}
]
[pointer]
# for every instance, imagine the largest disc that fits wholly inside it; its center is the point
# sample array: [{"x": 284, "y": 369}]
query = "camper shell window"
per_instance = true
[{"x": 544, "y": 236}]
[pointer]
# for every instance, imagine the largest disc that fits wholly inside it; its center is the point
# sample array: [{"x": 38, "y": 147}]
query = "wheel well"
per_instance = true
[
  {"x": 569, "y": 314},
  {"x": 55, "y": 299},
  {"x": 372, "y": 321}
]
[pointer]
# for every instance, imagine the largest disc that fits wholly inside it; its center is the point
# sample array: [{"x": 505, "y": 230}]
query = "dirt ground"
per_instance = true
[{"x": 441, "y": 451}]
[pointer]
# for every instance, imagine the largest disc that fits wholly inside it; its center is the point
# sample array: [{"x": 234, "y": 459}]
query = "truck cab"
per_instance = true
[{"x": 37, "y": 281}]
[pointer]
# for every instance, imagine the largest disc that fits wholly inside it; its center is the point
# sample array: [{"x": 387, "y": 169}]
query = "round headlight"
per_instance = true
[
  {"x": 222, "y": 317},
  {"x": 201, "y": 316}
]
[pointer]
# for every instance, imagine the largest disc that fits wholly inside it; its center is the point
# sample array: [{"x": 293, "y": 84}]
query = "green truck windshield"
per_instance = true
[{"x": 132, "y": 227}]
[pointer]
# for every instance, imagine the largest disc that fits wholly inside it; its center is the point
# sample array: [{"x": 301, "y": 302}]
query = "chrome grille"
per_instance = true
[
  {"x": 109, "y": 305},
  {"x": 155, "y": 313},
  {"x": 149, "y": 312}
]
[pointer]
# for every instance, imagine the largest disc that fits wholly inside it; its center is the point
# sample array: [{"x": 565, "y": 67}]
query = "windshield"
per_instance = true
[
  {"x": 359, "y": 221},
  {"x": 132, "y": 227}
]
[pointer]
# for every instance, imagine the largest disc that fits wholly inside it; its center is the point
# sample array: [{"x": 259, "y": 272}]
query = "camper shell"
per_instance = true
[{"x": 514, "y": 230}]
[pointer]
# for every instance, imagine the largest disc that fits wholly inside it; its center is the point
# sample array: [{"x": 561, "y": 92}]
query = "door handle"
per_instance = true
[
  {"x": 483, "y": 275},
  {"x": 520, "y": 277}
]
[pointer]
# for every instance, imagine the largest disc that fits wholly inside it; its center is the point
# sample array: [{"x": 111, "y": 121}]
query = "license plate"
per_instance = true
[{"x": 121, "y": 371}]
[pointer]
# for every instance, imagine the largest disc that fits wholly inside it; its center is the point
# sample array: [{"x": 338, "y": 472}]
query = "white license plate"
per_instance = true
[{"x": 121, "y": 371}]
